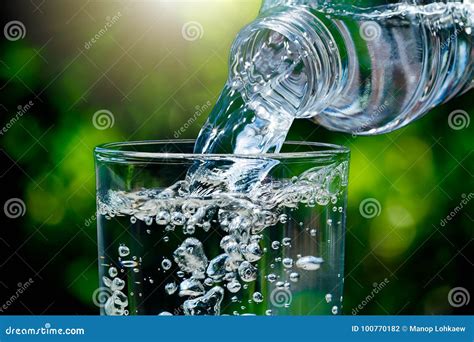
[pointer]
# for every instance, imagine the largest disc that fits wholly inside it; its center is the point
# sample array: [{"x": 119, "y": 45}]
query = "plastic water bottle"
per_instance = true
[{"x": 364, "y": 67}]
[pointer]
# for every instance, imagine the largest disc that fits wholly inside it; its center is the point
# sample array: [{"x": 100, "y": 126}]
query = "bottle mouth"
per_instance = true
[{"x": 287, "y": 60}]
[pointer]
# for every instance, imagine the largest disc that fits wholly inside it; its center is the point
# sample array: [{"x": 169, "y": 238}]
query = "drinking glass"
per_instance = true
[{"x": 185, "y": 234}]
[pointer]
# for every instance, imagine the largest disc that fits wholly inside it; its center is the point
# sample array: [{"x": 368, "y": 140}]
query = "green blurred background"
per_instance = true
[{"x": 153, "y": 76}]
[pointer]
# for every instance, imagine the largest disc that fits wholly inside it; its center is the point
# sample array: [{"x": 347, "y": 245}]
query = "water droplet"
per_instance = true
[
  {"x": 309, "y": 263},
  {"x": 166, "y": 264},
  {"x": 162, "y": 218},
  {"x": 271, "y": 277},
  {"x": 328, "y": 298},
  {"x": 113, "y": 272},
  {"x": 117, "y": 284},
  {"x": 123, "y": 250},
  {"x": 234, "y": 286},
  {"x": 257, "y": 297},
  {"x": 191, "y": 287},
  {"x": 294, "y": 277},
  {"x": 247, "y": 271},
  {"x": 171, "y": 288},
  {"x": 287, "y": 262}
]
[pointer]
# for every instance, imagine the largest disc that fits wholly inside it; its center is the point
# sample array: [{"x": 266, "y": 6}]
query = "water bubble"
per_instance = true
[
  {"x": 268, "y": 312},
  {"x": 234, "y": 299},
  {"x": 166, "y": 264},
  {"x": 312, "y": 232},
  {"x": 283, "y": 218},
  {"x": 123, "y": 250},
  {"x": 294, "y": 277},
  {"x": 107, "y": 282},
  {"x": 217, "y": 267},
  {"x": 328, "y": 297},
  {"x": 271, "y": 277},
  {"x": 136, "y": 270},
  {"x": 129, "y": 263},
  {"x": 257, "y": 297},
  {"x": 189, "y": 229},
  {"x": 206, "y": 226},
  {"x": 234, "y": 286},
  {"x": 191, "y": 287},
  {"x": 165, "y": 313},
  {"x": 113, "y": 272},
  {"x": 286, "y": 242},
  {"x": 275, "y": 244},
  {"x": 180, "y": 274},
  {"x": 133, "y": 219},
  {"x": 190, "y": 257},
  {"x": 334, "y": 310},
  {"x": 247, "y": 271},
  {"x": 280, "y": 284},
  {"x": 171, "y": 288},
  {"x": 208, "y": 282},
  {"x": 117, "y": 284},
  {"x": 309, "y": 263},
  {"x": 178, "y": 218},
  {"x": 253, "y": 252},
  {"x": 166, "y": 238},
  {"x": 149, "y": 221},
  {"x": 209, "y": 304},
  {"x": 287, "y": 262},
  {"x": 162, "y": 218}
]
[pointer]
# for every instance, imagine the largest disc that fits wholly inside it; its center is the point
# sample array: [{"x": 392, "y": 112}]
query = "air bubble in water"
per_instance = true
[
  {"x": 309, "y": 263},
  {"x": 129, "y": 263},
  {"x": 165, "y": 313},
  {"x": 123, "y": 250},
  {"x": 113, "y": 272},
  {"x": 162, "y": 218},
  {"x": 271, "y": 277},
  {"x": 117, "y": 284},
  {"x": 275, "y": 244},
  {"x": 209, "y": 304},
  {"x": 191, "y": 287},
  {"x": 190, "y": 257},
  {"x": 107, "y": 282},
  {"x": 294, "y": 277},
  {"x": 268, "y": 312},
  {"x": 170, "y": 288},
  {"x": 286, "y": 241},
  {"x": 328, "y": 298},
  {"x": 257, "y": 297},
  {"x": 334, "y": 310},
  {"x": 234, "y": 286},
  {"x": 247, "y": 271},
  {"x": 178, "y": 218},
  {"x": 166, "y": 264},
  {"x": 133, "y": 219},
  {"x": 287, "y": 262},
  {"x": 312, "y": 232}
]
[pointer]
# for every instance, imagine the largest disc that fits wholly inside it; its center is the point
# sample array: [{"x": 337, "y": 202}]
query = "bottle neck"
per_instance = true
[{"x": 288, "y": 61}]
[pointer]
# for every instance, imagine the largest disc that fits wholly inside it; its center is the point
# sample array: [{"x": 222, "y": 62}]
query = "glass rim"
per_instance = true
[{"x": 315, "y": 149}]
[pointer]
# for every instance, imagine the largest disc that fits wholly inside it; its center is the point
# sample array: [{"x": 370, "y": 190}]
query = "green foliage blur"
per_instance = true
[{"x": 153, "y": 81}]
